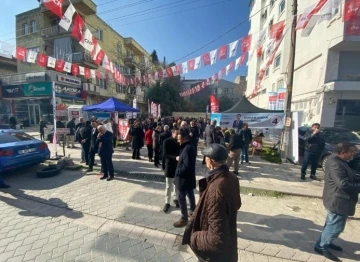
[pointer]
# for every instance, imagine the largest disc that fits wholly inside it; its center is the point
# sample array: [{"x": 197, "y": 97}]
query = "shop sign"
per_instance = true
[
  {"x": 61, "y": 113},
  {"x": 35, "y": 77},
  {"x": 12, "y": 91},
  {"x": 69, "y": 80},
  {"x": 38, "y": 89},
  {"x": 67, "y": 90}
]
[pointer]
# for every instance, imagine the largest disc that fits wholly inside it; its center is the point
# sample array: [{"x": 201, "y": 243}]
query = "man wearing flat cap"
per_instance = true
[{"x": 212, "y": 232}]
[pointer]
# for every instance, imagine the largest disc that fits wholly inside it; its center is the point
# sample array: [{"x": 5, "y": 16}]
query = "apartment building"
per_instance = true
[
  {"x": 38, "y": 30},
  {"x": 327, "y": 65}
]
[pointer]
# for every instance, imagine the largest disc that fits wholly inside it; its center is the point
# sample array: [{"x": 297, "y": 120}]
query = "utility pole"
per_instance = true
[{"x": 290, "y": 83}]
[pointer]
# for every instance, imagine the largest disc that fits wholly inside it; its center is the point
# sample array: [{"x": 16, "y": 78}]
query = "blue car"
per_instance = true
[{"x": 18, "y": 149}]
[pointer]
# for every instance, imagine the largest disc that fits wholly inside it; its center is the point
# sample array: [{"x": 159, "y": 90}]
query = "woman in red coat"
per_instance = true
[{"x": 149, "y": 142}]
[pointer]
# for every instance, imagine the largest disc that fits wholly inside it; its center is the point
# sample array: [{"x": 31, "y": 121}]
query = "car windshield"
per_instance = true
[
  {"x": 333, "y": 137},
  {"x": 10, "y": 137}
]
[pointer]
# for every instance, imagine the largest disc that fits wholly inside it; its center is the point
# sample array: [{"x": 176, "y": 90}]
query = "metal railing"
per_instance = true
[{"x": 54, "y": 31}]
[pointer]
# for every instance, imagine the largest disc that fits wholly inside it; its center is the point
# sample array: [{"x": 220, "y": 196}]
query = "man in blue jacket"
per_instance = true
[
  {"x": 105, "y": 139},
  {"x": 185, "y": 178}
]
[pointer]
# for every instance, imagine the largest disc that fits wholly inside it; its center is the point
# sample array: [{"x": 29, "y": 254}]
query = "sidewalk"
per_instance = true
[
  {"x": 260, "y": 174},
  {"x": 77, "y": 217}
]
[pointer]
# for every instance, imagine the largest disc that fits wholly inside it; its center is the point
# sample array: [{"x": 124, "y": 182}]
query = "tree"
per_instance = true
[
  {"x": 200, "y": 106},
  {"x": 154, "y": 57},
  {"x": 167, "y": 95},
  {"x": 225, "y": 103},
  {"x": 164, "y": 62}
]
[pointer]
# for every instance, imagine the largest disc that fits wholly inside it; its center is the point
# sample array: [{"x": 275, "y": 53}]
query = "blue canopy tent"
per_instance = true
[{"x": 110, "y": 105}]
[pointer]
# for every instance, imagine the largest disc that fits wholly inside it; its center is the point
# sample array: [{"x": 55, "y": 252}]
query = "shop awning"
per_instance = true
[{"x": 111, "y": 105}]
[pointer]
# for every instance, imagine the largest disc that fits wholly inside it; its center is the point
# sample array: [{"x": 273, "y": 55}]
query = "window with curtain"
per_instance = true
[{"x": 25, "y": 28}]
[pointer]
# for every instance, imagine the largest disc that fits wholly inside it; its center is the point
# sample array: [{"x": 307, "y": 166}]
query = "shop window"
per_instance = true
[{"x": 25, "y": 28}]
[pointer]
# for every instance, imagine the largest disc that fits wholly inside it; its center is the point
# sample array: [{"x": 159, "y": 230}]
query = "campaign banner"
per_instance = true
[
  {"x": 217, "y": 117},
  {"x": 254, "y": 120},
  {"x": 124, "y": 129}
]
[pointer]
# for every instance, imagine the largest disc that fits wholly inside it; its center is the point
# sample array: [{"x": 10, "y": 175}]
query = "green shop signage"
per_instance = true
[{"x": 38, "y": 89}]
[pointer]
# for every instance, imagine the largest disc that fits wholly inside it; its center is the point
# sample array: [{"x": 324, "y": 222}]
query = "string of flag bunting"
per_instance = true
[{"x": 306, "y": 21}]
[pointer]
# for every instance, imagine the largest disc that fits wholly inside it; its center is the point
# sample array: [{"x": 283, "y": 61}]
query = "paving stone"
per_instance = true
[
  {"x": 59, "y": 251},
  {"x": 6, "y": 241},
  {"x": 14, "y": 245},
  {"x": 22, "y": 250},
  {"x": 49, "y": 247},
  {"x": 6, "y": 255},
  {"x": 32, "y": 254},
  {"x": 71, "y": 254},
  {"x": 43, "y": 257},
  {"x": 15, "y": 259}
]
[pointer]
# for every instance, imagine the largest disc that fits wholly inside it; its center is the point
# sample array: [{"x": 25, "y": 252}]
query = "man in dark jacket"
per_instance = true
[
  {"x": 12, "y": 122},
  {"x": 163, "y": 136},
  {"x": 210, "y": 134},
  {"x": 238, "y": 123},
  {"x": 246, "y": 137},
  {"x": 171, "y": 149},
  {"x": 137, "y": 134},
  {"x": 185, "y": 178},
  {"x": 94, "y": 145},
  {"x": 78, "y": 126},
  {"x": 235, "y": 146},
  {"x": 314, "y": 145},
  {"x": 85, "y": 139},
  {"x": 70, "y": 138},
  {"x": 115, "y": 128},
  {"x": 212, "y": 230},
  {"x": 105, "y": 139},
  {"x": 194, "y": 134},
  {"x": 340, "y": 197}
]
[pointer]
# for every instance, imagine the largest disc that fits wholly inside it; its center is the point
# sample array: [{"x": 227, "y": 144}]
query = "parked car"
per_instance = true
[
  {"x": 18, "y": 149},
  {"x": 333, "y": 136}
]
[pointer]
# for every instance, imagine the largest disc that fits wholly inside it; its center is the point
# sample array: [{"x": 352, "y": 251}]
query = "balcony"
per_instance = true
[
  {"x": 85, "y": 7},
  {"x": 54, "y": 32},
  {"x": 134, "y": 46},
  {"x": 84, "y": 58}
]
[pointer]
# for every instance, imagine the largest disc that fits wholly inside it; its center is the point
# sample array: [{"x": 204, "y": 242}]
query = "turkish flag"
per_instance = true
[
  {"x": 223, "y": 71},
  {"x": 87, "y": 73},
  {"x": 277, "y": 30},
  {"x": 78, "y": 28},
  {"x": 97, "y": 74},
  {"x": 351, "y": 10},
  {"x": 242, "y": 59},
  {"x": 99, "y": 57},
  {"x": 259, "y": 51},
  {"x": 42, "y": 60},
  {"x": 206, "y": 59},
  {"x": 191, "y": 64},
  {"x": 223, "y": 52},
  {"x": 178, "y": 69},
  {"x": 75, "y": 70},
  {"x": 20, "y": 53},
  {"x": 59, "y": 65},
  {"x": 169, "y": 72},
  {"x": 54, "y": 6}
]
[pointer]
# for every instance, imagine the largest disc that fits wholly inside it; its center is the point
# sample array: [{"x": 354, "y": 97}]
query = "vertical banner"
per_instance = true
[
  {"x": 217, "y": 117},
  {"x": 214, "y": 104},
  {"x": 272, "y": 100},
  {"x": 134, "y": 106},
  {"x": 54, "y": 113},
  {"x": 155, "y": 110},
  {"x": 281, "y": 97}
]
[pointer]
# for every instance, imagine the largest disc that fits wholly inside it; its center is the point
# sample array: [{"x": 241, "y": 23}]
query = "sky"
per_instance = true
[{"x": 174, "y": 28}]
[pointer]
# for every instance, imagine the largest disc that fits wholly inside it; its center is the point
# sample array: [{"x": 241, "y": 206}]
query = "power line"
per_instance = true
[
  {"x": 154, "y": 8},
  {"x": 228, "y": 31},
  {"x": 173, "y": 13},
  {"x": 124, "y": 6},
  {"x": 119, "y": 0}
]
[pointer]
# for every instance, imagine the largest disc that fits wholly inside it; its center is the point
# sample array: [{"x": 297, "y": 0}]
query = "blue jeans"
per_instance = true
[
  {"x": 245, "y": 153},
  {"x": 82, "y": 153},
  {"x": 182, "y": 202},
  {"x": 311, "y": 157},
  {"x": 334, "y": 225}
]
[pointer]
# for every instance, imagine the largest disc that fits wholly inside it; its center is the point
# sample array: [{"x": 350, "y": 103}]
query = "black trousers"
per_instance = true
[
  {"x": 136, "y": 153},
  {"x": 91, "y": 158},
  {"x": 86, "y": 149},
  {"x": 150, "y": 151},
  {"x": 42, "y": 135},
  {"x": 157, "y": 156},
  {"x": 107, "y": 165},
  {"x": 114, "y": 142}
]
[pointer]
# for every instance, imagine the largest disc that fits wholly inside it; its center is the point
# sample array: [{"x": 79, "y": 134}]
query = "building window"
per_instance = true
[
  {"x": 272, "y": 2},
  {"x": 119, "y": 49},
  {"x": 102, "y": 83},
  {"x": 33, "y": 26},
  {"x": 226, "y": 91},
  {"x": 277, "y": 61},
  {"x": 273, "y": 88},
  {"x": 264, "y": 15},
  {"x": 262, "y": 57},
  {"x": 99, "y": 34},
  {"x": 25, "y": 29},
  {"x": 267, "y": 72},
  {"x": 282, "y": 7},
  {"x": 270, "y": 25},
  {"x": 280, "y": 84}
]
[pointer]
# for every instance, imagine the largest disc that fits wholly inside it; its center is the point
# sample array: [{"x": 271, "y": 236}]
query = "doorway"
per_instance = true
[{"x": 34, "y": 114}]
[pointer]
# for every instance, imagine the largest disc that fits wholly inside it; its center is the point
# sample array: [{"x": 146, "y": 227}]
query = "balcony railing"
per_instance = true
[
  {"x": 54, "y": 31},
  {"x": 83, "y": 58}
]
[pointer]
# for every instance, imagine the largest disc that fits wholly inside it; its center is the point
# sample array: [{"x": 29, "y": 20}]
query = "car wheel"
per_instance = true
[
  {"x": 48, "y": 172},
  {"x": 323, "y": 162}
]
